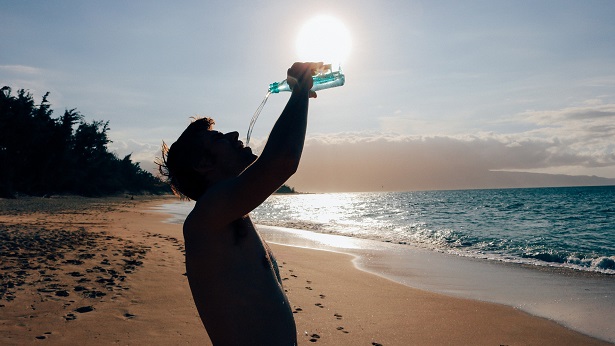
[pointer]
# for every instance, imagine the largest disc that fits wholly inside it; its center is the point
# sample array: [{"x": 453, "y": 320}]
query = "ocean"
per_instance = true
[
  {"x": 547, "y": 251},
  {"x": 572, "y": 227}
]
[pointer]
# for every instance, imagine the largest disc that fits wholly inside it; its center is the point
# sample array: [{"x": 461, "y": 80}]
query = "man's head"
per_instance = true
[{"x": 201, "y": 157}]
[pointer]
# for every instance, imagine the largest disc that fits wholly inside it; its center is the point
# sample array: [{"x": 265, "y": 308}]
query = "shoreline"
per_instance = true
[
  {"x": 580, "y": 301},
  {"x": 334, "y": 302},
  {"x": 178, "y": 210}
]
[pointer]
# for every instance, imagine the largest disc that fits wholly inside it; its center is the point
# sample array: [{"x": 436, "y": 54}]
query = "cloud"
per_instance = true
[
  {"x": 33, "y": 79},
  {"x": 592, "y": 110},
  {"x": 144, "y": 153},
  {"x": 20, "y": 69},
  {"x": 570, "y": 139},
  {"x": 601, "y": 81},
  {"x": 586, "y": 130}
]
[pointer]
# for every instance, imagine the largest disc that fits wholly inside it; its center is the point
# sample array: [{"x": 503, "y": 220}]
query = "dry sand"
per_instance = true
[{"x": 79, "y": 271}]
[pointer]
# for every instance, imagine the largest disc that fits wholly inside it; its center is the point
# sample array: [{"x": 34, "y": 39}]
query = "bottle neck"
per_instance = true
[{"x": 277, "y": 87}]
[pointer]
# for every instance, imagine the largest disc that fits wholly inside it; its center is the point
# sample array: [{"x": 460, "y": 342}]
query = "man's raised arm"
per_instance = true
[
  {"x": 233, "y": 198},
  {"x": 285, "y": 144}
]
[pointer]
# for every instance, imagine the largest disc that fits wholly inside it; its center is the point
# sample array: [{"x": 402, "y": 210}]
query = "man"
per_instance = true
[{"x": 233, "y": 276}]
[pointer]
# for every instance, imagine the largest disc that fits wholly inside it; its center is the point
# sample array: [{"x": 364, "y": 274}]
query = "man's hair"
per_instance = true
[{"x": 177, "y": 164}]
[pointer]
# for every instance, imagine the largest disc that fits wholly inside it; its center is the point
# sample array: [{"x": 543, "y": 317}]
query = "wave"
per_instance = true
[
  {"x": 558, "y": 227},
  {"x": 452, "y": 242}
]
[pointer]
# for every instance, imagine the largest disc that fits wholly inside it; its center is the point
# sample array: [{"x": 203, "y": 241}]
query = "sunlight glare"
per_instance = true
[{"x": 323, "y": 38}]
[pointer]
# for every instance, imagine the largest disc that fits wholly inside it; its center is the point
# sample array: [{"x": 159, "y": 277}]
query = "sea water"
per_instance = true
[
  {"x": 571, "y": 227},
  {"x": 546, "y": 251}
]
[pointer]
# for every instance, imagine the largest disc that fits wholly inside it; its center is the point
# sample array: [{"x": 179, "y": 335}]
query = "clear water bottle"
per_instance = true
[{"x": 324, "y": 79}]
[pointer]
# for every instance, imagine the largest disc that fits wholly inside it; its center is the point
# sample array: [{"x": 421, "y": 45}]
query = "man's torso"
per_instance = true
[{"x": 236, "y": 285}]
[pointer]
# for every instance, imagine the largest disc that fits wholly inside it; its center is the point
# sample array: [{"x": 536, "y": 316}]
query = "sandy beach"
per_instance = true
[{"x": 111, "y": 271}]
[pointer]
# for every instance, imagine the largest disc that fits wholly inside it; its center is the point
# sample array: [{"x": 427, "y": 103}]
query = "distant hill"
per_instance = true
[
  {"x": 506, "y": 179},
  {"x": 503, "y": 179}
]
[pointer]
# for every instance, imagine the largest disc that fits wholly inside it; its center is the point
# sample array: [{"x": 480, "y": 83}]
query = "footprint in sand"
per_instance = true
[
  {"x": 319, "y": 305},
  {"x": 62, "y": 293},
  {"x": 44, "y": 336},
  {"x": 84, "y": 309},
  {"x": 314, "y": 337}
]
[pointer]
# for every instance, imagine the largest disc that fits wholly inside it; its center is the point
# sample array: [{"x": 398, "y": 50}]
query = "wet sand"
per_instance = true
[
  {"x": 110, "y": 271},
  {"x": 581, "y": 301}
]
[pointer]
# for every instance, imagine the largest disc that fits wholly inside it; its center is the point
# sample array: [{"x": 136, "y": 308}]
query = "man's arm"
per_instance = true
[{"x": 233, "y": 198}]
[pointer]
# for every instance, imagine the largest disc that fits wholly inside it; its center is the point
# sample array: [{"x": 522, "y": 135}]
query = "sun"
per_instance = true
[{"x": 324, "y": 38}]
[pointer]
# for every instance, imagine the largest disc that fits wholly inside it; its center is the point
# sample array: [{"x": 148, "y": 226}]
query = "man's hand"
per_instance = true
[{"x": 299, "y": 76}]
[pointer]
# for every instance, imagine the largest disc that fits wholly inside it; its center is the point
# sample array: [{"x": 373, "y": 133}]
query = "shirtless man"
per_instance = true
[{"x": 233, "y": 276}]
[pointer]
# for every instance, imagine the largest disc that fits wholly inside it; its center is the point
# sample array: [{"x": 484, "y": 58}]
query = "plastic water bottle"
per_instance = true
[{"x": 324, "y": 79}]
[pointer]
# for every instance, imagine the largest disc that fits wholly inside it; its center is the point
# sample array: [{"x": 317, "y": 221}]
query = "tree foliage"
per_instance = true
[
  {"x": 41, "y": 155},
  {"x": 286, "y": 189}
]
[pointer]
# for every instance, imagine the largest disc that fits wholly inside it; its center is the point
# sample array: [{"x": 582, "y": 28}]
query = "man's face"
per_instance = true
[{"x": 230, "y": 157}]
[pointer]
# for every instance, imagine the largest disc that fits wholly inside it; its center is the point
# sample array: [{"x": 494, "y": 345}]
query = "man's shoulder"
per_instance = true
[
  {"x": 203, "y": 214},
  {"x": 199, "y": 219},
  {"x": 222, "y": 204},
  {"x": 201, "y": 222}
]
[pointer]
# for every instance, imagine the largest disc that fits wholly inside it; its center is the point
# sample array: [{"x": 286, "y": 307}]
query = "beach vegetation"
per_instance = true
[
  {"x": 286, "y": 189},
  {"x": 41, "y": 155}
]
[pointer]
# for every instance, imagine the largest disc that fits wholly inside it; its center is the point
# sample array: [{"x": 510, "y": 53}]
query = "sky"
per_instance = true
[{"x": 436, "y": 92}]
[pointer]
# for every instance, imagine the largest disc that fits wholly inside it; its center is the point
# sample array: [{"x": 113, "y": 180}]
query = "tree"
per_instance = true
[
  {"x": 285, "y": 189},
  {"x": 42, "y": 155}
]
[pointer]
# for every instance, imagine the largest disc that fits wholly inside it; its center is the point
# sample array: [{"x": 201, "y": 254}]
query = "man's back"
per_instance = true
[{"x": 240, "y": 297}]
